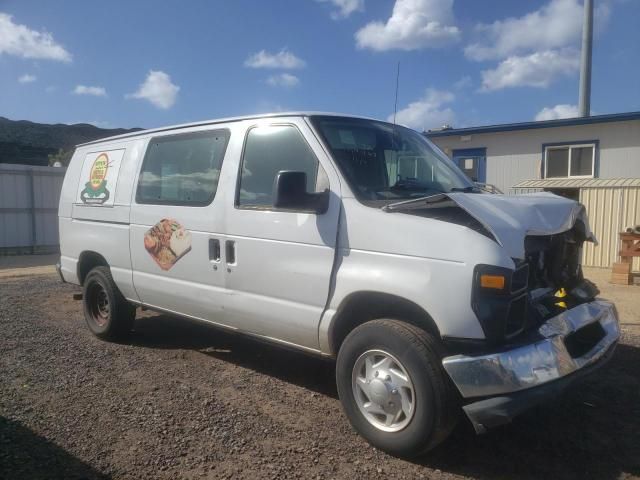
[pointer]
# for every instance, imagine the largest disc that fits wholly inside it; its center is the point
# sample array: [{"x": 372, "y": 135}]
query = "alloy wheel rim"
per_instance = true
[{"x": 383, "y": 390}]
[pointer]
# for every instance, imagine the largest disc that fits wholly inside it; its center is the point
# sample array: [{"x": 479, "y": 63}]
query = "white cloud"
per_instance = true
[
  {"x": 284, "y": 59},
  {"x": 21, "y": 41},
  {"x": 535, "y": 49},
  {"x": 556, "y": 24},
  {"x": 413, "y": 24},
  {"x": 27, "y": 78},
  {"x": 559, "y": 111},
  {"x": 538, "y": 69},
  {"x": 427, "y": 112},
  {"x": 464, "y": 82},
  {"x": 283, "y": 80},
  {"x": 345, "y": 7},
  {"x": 86, "y": 90},
  {"x": 157, "y": 89}
]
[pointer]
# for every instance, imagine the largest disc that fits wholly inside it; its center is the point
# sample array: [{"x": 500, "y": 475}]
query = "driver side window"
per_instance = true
[{"x": 267, "y": 151}]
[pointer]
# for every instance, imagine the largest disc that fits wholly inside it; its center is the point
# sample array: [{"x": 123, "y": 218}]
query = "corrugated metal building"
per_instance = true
[
  {"x": 612, "y": 204},
  {"x": 29, "y": 208},
  {"x": 595, "y": 160}
]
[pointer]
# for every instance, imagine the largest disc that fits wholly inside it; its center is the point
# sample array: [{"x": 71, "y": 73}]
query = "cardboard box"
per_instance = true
[
  {"x": 621, "y": 278},
  {"x": 621, "y": 267}
]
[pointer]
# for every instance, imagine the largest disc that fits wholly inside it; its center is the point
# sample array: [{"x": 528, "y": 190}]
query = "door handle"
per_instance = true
[
  {"x": 214, "y": 250},
  {"x": 230, "y": 252}
]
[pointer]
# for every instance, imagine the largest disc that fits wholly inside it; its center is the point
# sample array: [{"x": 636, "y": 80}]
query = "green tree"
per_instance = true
[{"x": 63, "y": 156}]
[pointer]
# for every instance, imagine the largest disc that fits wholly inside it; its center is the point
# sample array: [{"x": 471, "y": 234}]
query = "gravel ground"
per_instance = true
[{"x": 183, "y": 400}]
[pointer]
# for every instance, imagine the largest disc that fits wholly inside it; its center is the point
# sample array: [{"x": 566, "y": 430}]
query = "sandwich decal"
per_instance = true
[
  {"x": 167, "y": 242},
  {"x": 99, "y": 176}
]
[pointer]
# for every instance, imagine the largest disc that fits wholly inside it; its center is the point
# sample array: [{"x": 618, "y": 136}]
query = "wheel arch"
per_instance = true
[
  {"x": 88, "y": 260},
  {"x": 360, "y": 307}
]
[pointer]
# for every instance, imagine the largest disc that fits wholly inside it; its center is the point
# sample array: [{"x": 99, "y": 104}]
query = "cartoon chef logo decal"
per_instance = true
[
  {"x": 95, "y": 190},
  {"x": 167, "y": 242}
]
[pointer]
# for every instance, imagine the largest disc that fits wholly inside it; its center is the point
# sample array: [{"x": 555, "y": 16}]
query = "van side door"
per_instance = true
[
  {"x": 279, "y": 263},
  {"x": 176, "y": 224}
]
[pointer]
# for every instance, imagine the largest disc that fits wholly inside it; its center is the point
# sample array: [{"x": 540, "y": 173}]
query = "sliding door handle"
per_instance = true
[
  {"x": 230, "y": 252},
  {"x": 214, "y": 250}
]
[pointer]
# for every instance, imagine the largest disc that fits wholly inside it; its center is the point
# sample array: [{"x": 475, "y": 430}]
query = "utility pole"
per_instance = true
[{"x": 585, "y": 64}]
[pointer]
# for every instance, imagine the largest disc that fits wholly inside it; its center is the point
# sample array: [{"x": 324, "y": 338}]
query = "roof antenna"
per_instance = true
[{"x": 395, "y": 106}]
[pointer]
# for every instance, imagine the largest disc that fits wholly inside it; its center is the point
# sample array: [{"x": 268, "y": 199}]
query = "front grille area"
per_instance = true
[
  {"x": 520, "y": 278},
  {"x": 554, "y": 260},
  {"x": 517, "y": 316}
]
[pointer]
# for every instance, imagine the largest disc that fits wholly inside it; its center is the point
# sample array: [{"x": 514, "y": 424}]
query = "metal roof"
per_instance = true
[
  {"x": 579, "y": 183},
  {"x": 563, "y": 122},
  {"x": 223, "y": 120}
]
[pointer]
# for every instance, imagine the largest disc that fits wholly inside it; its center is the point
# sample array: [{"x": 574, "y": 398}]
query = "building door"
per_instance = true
[{"x": 473, "y": 162}]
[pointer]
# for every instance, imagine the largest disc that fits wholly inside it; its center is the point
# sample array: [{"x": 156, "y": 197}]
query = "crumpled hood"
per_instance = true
[{"x": 510, "y": 218}]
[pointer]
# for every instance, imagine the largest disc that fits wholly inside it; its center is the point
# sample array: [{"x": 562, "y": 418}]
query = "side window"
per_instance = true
[
  {"x": 269, "y": 150},
  {"x": 182, "y": 169}
]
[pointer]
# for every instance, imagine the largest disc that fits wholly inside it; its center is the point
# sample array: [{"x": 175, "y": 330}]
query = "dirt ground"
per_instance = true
[{"x": 184, "y": 400}]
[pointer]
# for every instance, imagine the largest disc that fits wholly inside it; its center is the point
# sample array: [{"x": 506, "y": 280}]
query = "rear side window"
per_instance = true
[
  {"x": 182, "y": 169},
  {"x": 269, "y": 150}
]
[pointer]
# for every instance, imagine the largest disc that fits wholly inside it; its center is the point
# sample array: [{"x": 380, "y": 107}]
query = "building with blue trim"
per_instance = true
[
  {"x": 600, "y": 146},
  {"x": 595, "y": 160}
]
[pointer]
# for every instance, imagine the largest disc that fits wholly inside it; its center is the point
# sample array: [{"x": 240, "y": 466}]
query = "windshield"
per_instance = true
[{"x": 386, "y": 162}]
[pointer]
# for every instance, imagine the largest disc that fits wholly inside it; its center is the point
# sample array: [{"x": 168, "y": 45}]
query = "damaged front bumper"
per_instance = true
[{"x": 506, "y": 383}]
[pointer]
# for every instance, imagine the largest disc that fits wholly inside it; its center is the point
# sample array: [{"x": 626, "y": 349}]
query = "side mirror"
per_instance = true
[{"x": 290, "y": 193}]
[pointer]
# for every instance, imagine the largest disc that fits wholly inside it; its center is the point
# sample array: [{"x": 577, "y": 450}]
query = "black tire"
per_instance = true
[
  {"x": 107, "y": 313},
  {"x": 436, "y": 409}
]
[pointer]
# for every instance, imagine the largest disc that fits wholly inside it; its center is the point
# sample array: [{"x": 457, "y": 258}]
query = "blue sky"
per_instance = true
[{"x": 464, "y": 62}]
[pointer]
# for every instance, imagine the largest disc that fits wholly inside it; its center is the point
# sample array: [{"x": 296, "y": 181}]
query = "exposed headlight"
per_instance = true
[{"x": 499, "y": 300}]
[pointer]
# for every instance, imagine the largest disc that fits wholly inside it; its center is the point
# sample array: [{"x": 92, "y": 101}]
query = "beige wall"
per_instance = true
[
  {"x": 610, "y": 211},
  {"x": 516, "y": 156}
]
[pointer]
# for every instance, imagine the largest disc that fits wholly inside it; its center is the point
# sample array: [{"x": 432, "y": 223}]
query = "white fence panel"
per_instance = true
[{"x": 29, "y": 208}]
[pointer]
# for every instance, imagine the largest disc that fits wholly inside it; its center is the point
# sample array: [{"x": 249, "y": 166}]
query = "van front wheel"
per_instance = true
[
  {"x": 107, "y": 313},
  {"x": 393, "y": 388}
]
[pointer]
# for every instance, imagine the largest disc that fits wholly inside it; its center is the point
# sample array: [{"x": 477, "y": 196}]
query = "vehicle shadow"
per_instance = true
[
  {"x": 591, "y": 431},
  {"x": 168, "y": 332},
  {"x": 26, "y": 455}
]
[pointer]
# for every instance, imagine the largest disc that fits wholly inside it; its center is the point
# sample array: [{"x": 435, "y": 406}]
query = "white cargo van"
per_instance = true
[{"x": 343, "y": 237}]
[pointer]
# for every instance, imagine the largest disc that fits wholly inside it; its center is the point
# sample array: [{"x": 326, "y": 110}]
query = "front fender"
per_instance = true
[{"x": 441, "y": 288}]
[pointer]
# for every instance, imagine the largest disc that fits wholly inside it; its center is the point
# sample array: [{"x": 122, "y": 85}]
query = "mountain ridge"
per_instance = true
[{"x": 30, "y": 143}]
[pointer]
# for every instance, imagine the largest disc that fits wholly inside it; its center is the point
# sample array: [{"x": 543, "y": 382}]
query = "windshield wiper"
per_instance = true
[
  {"x": 412, "y": 184},
  {"x": 469, "y": 189},
  {"x": 415, "y": 202}
]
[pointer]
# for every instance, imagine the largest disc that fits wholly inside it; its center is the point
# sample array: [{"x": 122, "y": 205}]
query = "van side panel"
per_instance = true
[
  {"x": 68, "y": 250},
  {"x": 70, "y": 184},
  {"x": 110, "y": 240},
  {"x": 99, "y": 228},
  {"x": 434, "y": 270}
]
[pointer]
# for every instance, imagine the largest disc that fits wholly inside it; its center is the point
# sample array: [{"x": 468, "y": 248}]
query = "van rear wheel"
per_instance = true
[
  {"x": 107, "y": 313},
  {"x": 393, "y": 388}
]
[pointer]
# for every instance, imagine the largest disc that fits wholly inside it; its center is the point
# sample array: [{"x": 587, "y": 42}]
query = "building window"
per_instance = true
[{"x": 567, "y": 161}]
